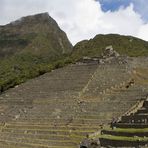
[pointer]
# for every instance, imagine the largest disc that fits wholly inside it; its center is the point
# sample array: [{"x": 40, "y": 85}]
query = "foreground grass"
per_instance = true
[
  {"x": 123, "y": 138},
  {"x": 129, "y": 130}
]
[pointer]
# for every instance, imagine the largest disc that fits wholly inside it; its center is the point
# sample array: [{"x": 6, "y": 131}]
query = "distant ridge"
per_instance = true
[{"x": 124, "y": 45}]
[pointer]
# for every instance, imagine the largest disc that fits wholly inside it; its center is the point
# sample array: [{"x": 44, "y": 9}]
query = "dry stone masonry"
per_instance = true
[
  {"x": 58, "y": 109},
  {"x": 130, "y": 131}
]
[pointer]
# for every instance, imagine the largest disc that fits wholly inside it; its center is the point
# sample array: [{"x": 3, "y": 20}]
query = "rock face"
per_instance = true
[
  {"x": 38, "y": 34},
  {"x": 110, "y": 52},
  {"x": 110, "y": 55}
]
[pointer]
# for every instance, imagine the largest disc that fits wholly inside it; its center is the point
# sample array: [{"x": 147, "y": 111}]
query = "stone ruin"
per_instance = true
[
  {"x": 132, "y": 125},
  {"x": 110, "y": 52},
  {"x": 137, "y": 120},
  {"x": 108, "y": 56}
]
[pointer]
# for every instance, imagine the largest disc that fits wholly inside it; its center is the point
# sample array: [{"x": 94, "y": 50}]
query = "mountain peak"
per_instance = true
[
  {"x": 38, "y": 34},
  {"x": 41, "y": 17}
]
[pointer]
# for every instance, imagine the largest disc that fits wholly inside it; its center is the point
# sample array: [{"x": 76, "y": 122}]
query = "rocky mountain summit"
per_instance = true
[{"x": 37, "y": 34}]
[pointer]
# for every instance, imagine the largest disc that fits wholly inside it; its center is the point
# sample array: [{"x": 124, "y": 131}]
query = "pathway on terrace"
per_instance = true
[{"x": 58, "y": 109}]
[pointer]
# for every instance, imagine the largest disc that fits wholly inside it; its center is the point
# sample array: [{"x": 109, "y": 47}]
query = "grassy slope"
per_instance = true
[
  {"x": 18, "y": 69},
  {"x": 129, "y": 130},
  {"x": 125, "y": 45},
  {"x": 31, "y": 47},
  {"x": 38, "y": 34},
  {"x": 122, "y": 138}
]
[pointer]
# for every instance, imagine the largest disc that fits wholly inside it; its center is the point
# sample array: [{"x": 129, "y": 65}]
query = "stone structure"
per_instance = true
[
  {"x": 109, "y": 52},
  {"x": 133, "y": 129},
  {"x": 58, "y": 109},
  {"x": 107, "y": 56}
]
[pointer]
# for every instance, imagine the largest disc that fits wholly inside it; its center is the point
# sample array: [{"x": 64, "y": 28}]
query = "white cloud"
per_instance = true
[
  {"x": 143, "y": 32},
  {"x": 123, "y": 21},
  {"x": 81, "y": 19},
  {"x": 141, "y": 7},
  {"x": 86, "y": 19}
]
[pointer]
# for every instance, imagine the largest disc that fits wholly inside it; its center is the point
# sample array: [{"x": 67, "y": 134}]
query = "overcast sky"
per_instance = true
[{"x": 83, "y": 19}]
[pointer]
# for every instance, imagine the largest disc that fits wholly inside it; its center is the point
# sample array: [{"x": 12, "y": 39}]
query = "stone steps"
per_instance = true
[
  {"x": 13, "y": 144},
  {"x": 119, "y": 141},
  {"x": 44, "y": 127},
  {"x": 136, "y": 117},
  {"x": 47, "y": 132},
  {"x": 41, "y": 136},
  {"x": 130, "y": 131},
  {"x": 40, "y": 141},
  {"x": 127, "y": 132},
  {"x": 10, "y": 144},
  {"x": 142, "y": 110},
  {"x": 52, "y": 124},
  {"x": 131, "y": 125},
  {"x": 68, "y": 120}
]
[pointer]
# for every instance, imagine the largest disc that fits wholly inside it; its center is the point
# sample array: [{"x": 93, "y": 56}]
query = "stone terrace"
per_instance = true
[
  {"x": 130, "y": 131},
  {"x": 58, "y": 109}
]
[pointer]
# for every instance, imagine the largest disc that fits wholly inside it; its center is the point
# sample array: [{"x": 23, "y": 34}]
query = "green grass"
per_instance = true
[
  {"x": 129, "y": 130},
  {"x": 123, "y": 138},
  {"x": 18, "y": 69},
  {"x": 126, "y": 130},
  {"x": 39, "y": 48},
  {"x": 125, "y": 45}
]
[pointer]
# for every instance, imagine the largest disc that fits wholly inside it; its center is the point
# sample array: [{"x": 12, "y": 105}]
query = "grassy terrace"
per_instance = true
[
  {"x": 57, "y": 120},
  {"x": 11, "y": 144},
  {"x": 51, "y": 130},
  {"x": 129, "y": 130},
  {"x": 110, "y": 137}
]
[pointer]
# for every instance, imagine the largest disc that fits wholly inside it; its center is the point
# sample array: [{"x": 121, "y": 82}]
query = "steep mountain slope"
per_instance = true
[
  {"x": 125, "y": 45},
  {"x": 30, "y": 47},
  {"x": 37, "y": 34}
]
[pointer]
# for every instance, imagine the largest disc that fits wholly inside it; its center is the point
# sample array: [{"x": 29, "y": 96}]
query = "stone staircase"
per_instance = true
[{"x": 130, "y": 131}]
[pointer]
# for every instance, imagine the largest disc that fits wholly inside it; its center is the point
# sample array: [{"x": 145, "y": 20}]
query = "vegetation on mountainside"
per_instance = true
[
  {"x": 18, "y": 69},
  {"x": 26, "y": 65},
  {"x": 34, "y": 45},
  {"x": 125, "y": 45},
  {"x": 30, "y": 47},
  {"x": 123, "y": 138},
  {"x": 38, "y": 34},
  {"x": 129, "y": 130}
]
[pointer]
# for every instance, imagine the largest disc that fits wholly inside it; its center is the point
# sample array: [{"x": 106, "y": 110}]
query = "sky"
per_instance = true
[{"x": 83, "y": 19}]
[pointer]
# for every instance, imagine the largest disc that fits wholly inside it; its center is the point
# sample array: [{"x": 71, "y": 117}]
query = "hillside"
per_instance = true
[
  {"x": 124, "y": 45},
  {"x": 29, "y": 47},
  {"x": 58, "y": 109},
  {"x": 37, "y": 34}
]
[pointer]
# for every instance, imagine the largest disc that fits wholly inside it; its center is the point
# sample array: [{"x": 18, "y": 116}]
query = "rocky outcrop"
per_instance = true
[{"x": 110, "y": 52}]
